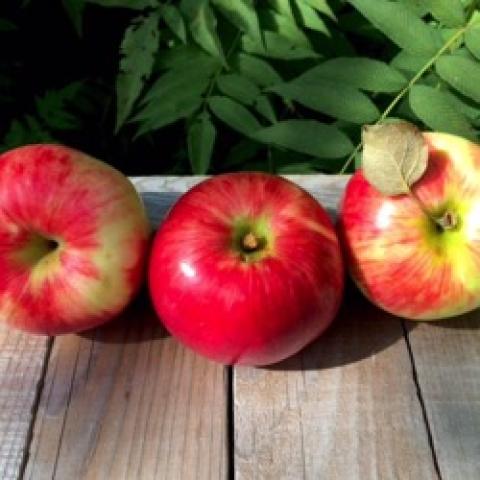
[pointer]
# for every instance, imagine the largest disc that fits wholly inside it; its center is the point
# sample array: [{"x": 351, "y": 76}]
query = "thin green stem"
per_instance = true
[{"x": 407, "y": 88}]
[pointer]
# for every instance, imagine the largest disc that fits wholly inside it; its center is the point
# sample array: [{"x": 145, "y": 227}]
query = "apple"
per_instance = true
[
  {"x": 73, "y": 240},
  {"x": 418, "y": 256},
  {"x": 246, "y": 269}
]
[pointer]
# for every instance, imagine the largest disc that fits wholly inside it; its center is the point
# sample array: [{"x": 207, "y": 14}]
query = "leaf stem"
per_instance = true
[{"x": 407, "y": 88}]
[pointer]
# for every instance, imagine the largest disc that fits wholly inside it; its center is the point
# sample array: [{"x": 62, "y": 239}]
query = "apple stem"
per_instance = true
[
  {"x": 250, "y": 242},
  {"x": 448, "y": 221}
]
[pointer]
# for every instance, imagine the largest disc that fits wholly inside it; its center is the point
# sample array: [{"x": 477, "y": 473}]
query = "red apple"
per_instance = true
[
  {"x": 399, "y": 256},
  {"x": 246, "y": 269},
  {"x": 73, "y": 239}
]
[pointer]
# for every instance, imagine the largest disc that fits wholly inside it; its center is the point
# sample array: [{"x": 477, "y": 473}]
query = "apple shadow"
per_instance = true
[
  {"x": 138, "y": 323},
  {"x": 360, "y": 330},
  {"x": 467, "y": 321}
]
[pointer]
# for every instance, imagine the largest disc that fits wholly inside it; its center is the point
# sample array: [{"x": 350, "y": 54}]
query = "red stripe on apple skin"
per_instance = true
[
  {"x": 394, "y": 252},
  {"x": 246, "y": 313},
  {"x": 96, "y": 217}
]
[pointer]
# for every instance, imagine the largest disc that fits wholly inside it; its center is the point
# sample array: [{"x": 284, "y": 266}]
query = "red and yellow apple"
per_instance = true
[
  {"x": 403, "y": 260},
  {"x": 73, "y": 240},
  {"x": 246, "y": 269}
]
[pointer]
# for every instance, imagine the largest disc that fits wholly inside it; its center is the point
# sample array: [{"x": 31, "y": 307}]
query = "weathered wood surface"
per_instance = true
[
  {"x": 22, "y": 360},
  {"x": 127, "y": 402},
  {"x": 447, "y": 363},
  {"x": 344, "y": 408}
]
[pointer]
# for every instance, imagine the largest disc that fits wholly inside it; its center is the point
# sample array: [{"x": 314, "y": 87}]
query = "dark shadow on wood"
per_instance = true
[
  {"x": 468, "y": 321},
  {"x": 360, "y": 330}
]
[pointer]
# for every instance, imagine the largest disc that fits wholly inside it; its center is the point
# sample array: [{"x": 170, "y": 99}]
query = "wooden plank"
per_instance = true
[
  {"x": 22, "y": 359},
  {"x": 346, "y": 407},
  {"x": 447, "y": 362},
  {"x": 126, "y": 401}
]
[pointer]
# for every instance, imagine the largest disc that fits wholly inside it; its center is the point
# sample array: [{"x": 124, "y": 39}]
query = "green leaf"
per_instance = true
[
  {"x": 238, "y": 87},
  {"x": 242, "y": 14},
  {"x": 186, "y": 56},
  {"x": 276, "y": 46},
  {"x": 173, "y": 96},
  {"x": 399, "y": 24},
  {"x": 241, "y": 152},
  {"x": 203, "y": 28},
  {"x": 26, "y": 131},
  {"x": 178, "y": 83},
  {"x": 418, "y": 7},
  {"x": 234, "y": 115},
  {"x": 321, "y": 6},
  {"x": 201, "y": 139},
  {"x": 472, "y": 39},
  {"x": 296, "y": 168},
  {"x": 448, "y": 12},
  {"x": 307, "y": 136},
  {"x": 336, "y": 99},
  {"x": 309, "y": 18},
  {"x": 53, "y": 108},
  {"x": 7, "y": 25},
  {"x": 174, "y": 21},
  {"x": 264, "y": 108},
  {"x": 282, "y": 6},
  {"x": 284, "y": 25},
  {"x": 74, "y": 9},
  {"x": 132, "y": 4},
  {"x": 409, "y": 63},
  {"x": 461, "y": 73},
  {"x": 256, "y": 69},
  {"x": 166, "y": 112},
  {"x": 363, "y": 73},
  {"x": 138, "y": 48},
  {"x": 438, "y": 112},
  {"x": 466, "y": 106}
]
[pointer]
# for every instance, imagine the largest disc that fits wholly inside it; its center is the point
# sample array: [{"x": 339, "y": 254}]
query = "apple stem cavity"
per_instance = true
[
  {"x": 250, "y": 242},
  {"x": 448, "y": 221}
]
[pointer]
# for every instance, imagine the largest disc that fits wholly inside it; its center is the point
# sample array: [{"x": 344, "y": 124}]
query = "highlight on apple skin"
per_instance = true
[
  {"x": 73, "y": 240},
  {"x": 246, "y": 269},
  {"x": 403, "y": 261}
]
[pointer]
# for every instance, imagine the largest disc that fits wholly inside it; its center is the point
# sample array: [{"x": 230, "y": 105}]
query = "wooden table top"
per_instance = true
[{"x": 374, "y": 398}]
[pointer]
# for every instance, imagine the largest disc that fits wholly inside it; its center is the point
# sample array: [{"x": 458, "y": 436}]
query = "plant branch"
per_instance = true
[{"x": 407, "y": 88}]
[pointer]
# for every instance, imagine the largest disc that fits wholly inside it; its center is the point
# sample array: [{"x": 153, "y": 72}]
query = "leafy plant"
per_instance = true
[
  {"x": 278, "y": 85},
  {"x": 56, "y": 112}
]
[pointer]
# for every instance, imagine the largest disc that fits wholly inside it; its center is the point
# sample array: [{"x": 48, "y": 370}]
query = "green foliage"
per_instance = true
[
  {"x": 138, "y": 49},
  {"x": 277, "y": 85},
  {"x": 56, "y": 112},
  {"x": 74, "y": 9}
]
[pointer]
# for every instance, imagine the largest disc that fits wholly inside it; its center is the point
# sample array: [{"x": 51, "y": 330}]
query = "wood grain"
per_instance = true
[
  {"x": 22, "y": 359},
  {"x": 128, "y": 402},
  {"x": 345, "y": 408},
  {"x": 447, "y": 362}
]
